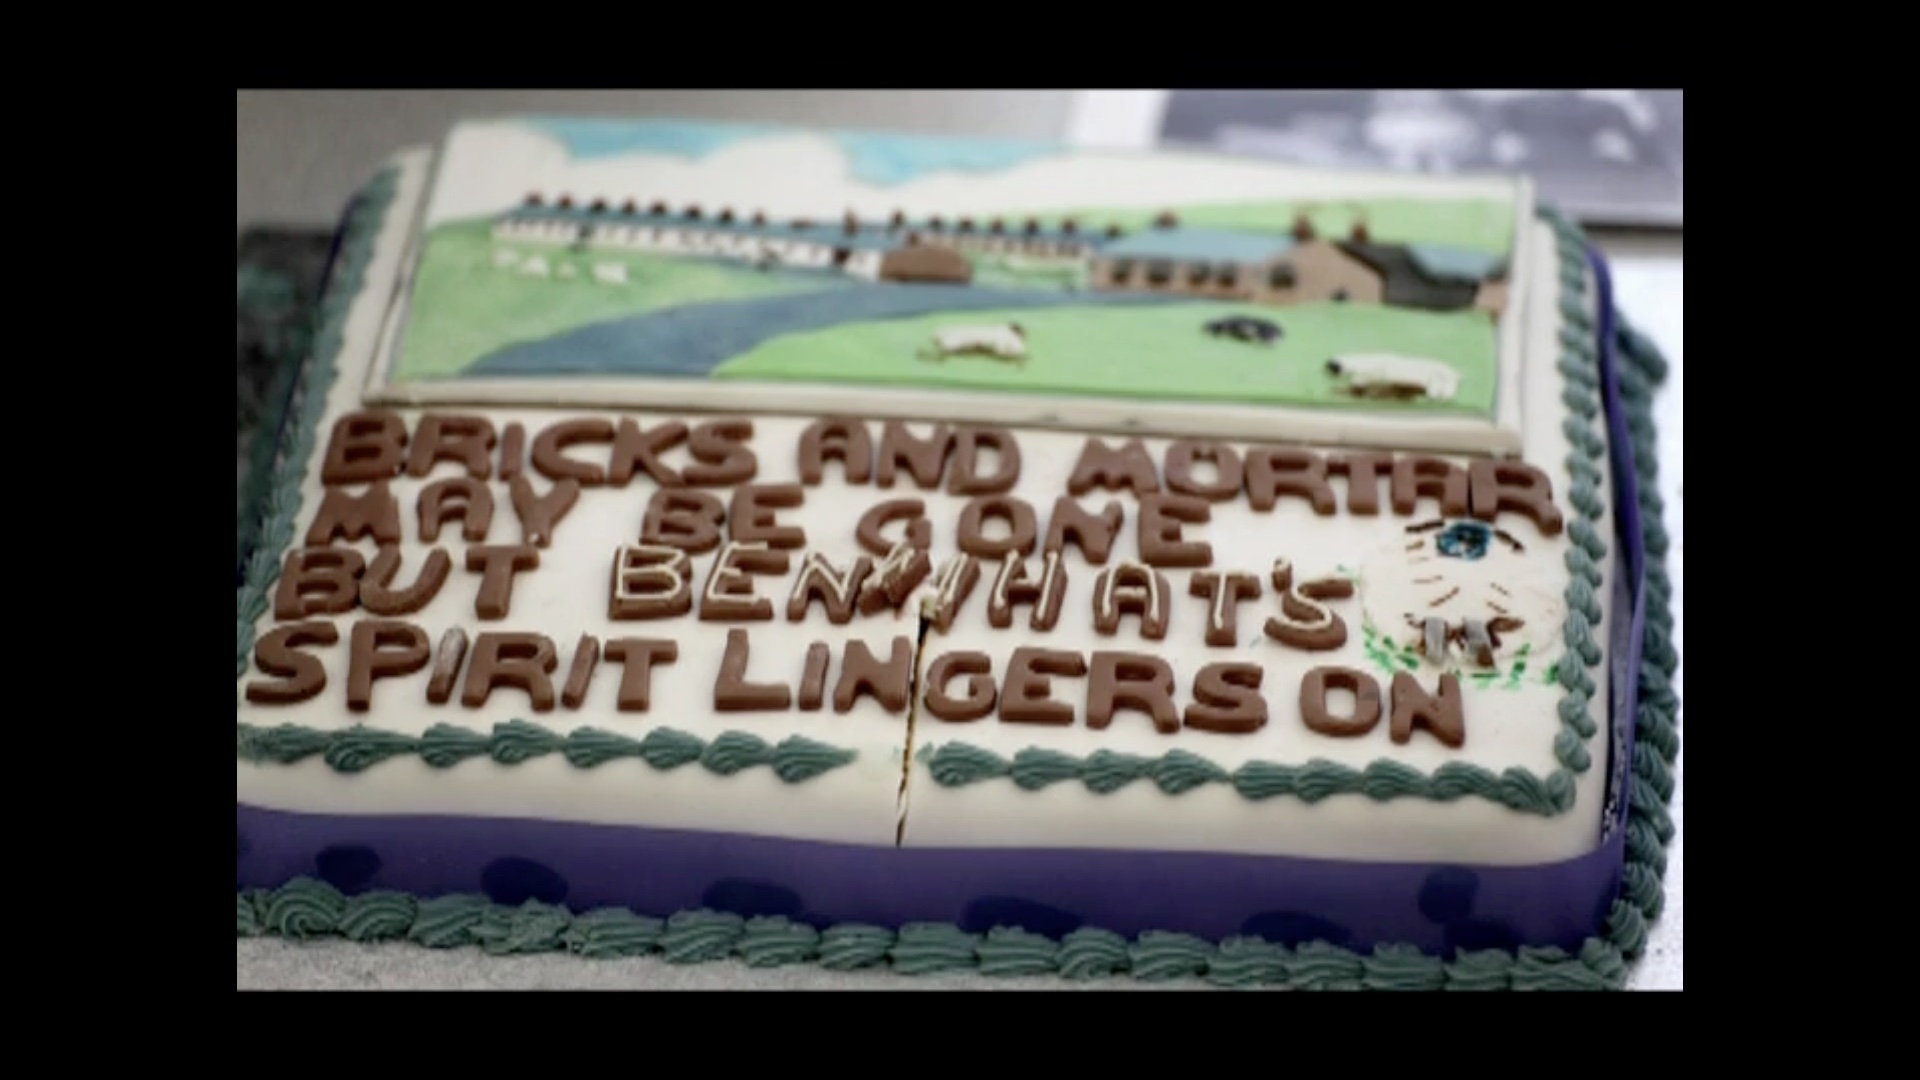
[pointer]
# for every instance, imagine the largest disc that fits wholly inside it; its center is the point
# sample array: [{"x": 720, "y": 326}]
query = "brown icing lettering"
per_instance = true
[
  {"x": 1416, "y": 478},
  {"x": 1224, "y": 594},
  {"x": 364, "y": 446},
  {"x": 731, "y": 690},
  {"x": 638, "y": 448},
  {"x": 650, "y": 581},
  {"x": 279, "y": 653},
  {"x": 1304, "y": 622},
  {"x": 1273, "y": 471},
  {"x": 729, "y": 594},
  {"x": 497, "y": 564},
  {"x": 751, "y": 518},
  {"x": 889, "y": 683},
  {"x": 1439, "y": 713},
  {"x": 813, "y": 677},
  {"x": 925, "y": 459},
  {"x": 882, "y": 514},
  {"x": 521, "y": 661},
  {"x": 586, "y": 656},
  {"x": 1181, "y": 477},
  {"x": 446, "y": 666},
  {"x": 1319, "y": 716},
  {"x": 1226, "y": 699},
  {"x": 460, "y": 497},
  {"x": 538, "y": 514},
  {"x": 722, "y": 456},
  {"x": 1161, "y": 541},
  {"x": 513, "y": 451},
  {"x": 836, "y": 437},
  {"x": 465, "y": 440},
  {"x": 1122, "y": 680},
  {"x": 981, "y": 694},
  {"x": 1497, "y": 486},
  {"x": 318, "y": 581},
  {"x": 688, "y": 520},
  {"x": 952, "y": 584},
  {"x": 971, "y": 536},
  {"x": 965, "y": 479},
  {"x": 1363, "y": 473},
  {"x": 637, "y": 658},
  {"x": 378, "y": 595},
  {"x": 1103, "y": 466},
  {"x": 374, "y": 512},
  {"x": 1012, "y": 586},
  {"x": 550, "y": 460},
  {"x": 379, "y": 649},
  {"x": 1092, "y": 533},
  {"x": 836, "y": 591},
  {"x": 901, "y": 572},
  {"x": 1131, "y": 588},
  {"x": 1025, "y": 697}
]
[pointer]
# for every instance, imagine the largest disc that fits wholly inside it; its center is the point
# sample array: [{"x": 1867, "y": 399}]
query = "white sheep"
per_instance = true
[
  {"x": 534, "y": 267},
  {"x": 610, "y": 273},
  {"x": 504, "y": 258},
  {"x": 1004, "y": 342},
  {"x": 1389, "y": 375}
]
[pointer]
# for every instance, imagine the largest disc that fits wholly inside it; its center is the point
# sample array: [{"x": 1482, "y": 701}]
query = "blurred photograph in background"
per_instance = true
[{"x": 1607, "y": 157}]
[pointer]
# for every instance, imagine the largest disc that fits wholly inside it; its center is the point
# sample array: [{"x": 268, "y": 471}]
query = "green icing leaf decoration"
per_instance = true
[
  {"x": 589, "y": 747},
  {"x": 735, "y": 750},
  {"x": 959, "y": 764},
  {"x": 666, "y": 748},
  {"x": 444, "y": 746},
  {"x": 359, "y": 748},
  {"x": 796, "y": 759},
  {"x": 516, "y": 741},
  {"x": 1035, "y": 769}
]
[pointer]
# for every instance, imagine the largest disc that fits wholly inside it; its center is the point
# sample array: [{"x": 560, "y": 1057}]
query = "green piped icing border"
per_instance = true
[
  {"x": 305, "y": 908},
  {"x": 281, "y": 505},
  {"x": 794, "y": 759}
]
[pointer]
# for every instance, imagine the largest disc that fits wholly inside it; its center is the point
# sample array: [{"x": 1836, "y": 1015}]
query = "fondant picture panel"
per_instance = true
[{"x": 700, "y": 266}]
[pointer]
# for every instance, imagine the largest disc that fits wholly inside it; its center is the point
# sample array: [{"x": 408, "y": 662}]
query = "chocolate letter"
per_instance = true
[
  {"x": 1223, "y": 594},
  {"x": 1304, "y": 622},
  {"x": 555, "y": 465},
  {"x": 637, "y": 657},
  {"x": 719, "y": 446},
  {"x": 965, "y": 479},
  {"x": 1226, "y": 699},
  {"x": 688, "y": 520},
  {"x": 836, "y": 591},
  {"x": 278, "y": 653},
  {"x": 733, "y": 693},
  {"x": 925, "y": 459},
  {"x": 1363, "y": 472},
  {"x": 1512, "y": 486},
  {"x": 971, "y": 533},
  {"x": 364, "y": 446},
  {"x": 378, "y": 595},
  {"x": 1012, "y": 586},
  {"x": 633, "y": 447},
  {"x": 1413, "y": 708},
  {"x": 1103, "y": 466},
  {"x": 952, "y": 584},
  {"x": 459, "y": 496},
  {"x": 861, "y": 672},
  {"x": 1070, "y": 524},
  {"x": 1273, "y": 471},
  {"x": 1161, "y": 542},
  {"x": 729, "y": 593},
  {"x": 1120, "y": 680},
  {"x": 446, "y": 666},
  {"x": 650, "y": 582},
  {"x": 1181, "y": 457},
  {"x": 523, "y": 661},
  {"x": 466, "y": 440},
  {"x": 496, "y": 566},
  {"x": 1415, "y": 478},
  {"x": 836, "y": 437},
  {"x": 586, "y": 656},
  {"x": 1128, "y": 587},
  {"x": 374, "y": 512},
  {"x": 751, "y": 519},
  {"x": 539, "y": 514},
  {"x": 318, "y": 581},
  {"x": 894, "y": 580},
  {"x": 1319, "y": 717},
  {"x": 379, "y": 649},
  {"x": 981, "y": 695},
  {"x": 1024, "y": 698},
  {"x": 879, "y": 515}
]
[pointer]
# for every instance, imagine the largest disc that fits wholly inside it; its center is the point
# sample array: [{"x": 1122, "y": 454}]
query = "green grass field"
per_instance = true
[
  {"x": 464, "y": 307},
  {"x": 1157, "y": 351},
  {"x": 1480, "y": 224}
]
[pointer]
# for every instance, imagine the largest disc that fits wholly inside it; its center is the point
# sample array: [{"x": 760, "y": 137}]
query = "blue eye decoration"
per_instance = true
[{"x": 1464, "y": 540}]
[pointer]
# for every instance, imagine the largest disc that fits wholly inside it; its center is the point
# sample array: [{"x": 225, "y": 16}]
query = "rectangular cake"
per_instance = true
[{"x": 815, "y": 547}]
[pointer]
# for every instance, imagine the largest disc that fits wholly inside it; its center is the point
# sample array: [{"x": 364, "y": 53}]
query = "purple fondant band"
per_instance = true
[{"x": 659, "y": 871}]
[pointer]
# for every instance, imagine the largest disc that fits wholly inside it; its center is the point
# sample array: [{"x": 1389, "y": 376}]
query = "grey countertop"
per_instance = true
[{"x": 300, "y": 156}]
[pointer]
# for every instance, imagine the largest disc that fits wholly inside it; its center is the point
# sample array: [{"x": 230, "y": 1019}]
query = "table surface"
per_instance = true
[{"x": 300, "y": 156}]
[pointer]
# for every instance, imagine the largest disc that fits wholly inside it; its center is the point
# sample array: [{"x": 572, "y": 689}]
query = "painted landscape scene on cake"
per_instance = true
[{"x": 1377, "y": 301}]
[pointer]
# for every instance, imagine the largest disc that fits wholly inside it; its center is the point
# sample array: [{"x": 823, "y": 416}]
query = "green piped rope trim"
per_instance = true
[
  {"x": 958, "y": 764},
  {"x": 794, "y": 759},
  {"x": 306, "y": 908},
  {"x": 281, "y": 505}
]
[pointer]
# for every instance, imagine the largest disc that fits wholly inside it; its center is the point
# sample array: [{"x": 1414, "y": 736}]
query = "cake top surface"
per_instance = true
[{"x": 754, "y": 268}]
